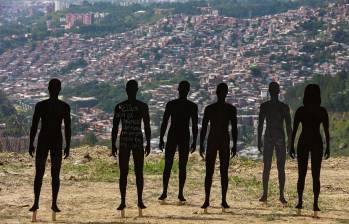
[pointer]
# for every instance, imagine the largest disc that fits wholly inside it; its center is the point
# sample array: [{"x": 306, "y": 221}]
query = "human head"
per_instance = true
[
  {"x": 312, "y": 95},
  {"x": 132, "y": 88},
  {"x": 183, "y": 89},
  {"x": 54, "y": 87},
  {"x": 222, "y": 91},
  {"x": 274, "y": 89}
]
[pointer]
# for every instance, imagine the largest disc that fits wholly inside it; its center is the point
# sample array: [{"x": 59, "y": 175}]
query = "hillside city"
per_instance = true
[{"x": 245, "y": 53}]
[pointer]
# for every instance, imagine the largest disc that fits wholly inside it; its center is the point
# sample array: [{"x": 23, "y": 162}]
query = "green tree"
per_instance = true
[{"x": 90, "y": 139}]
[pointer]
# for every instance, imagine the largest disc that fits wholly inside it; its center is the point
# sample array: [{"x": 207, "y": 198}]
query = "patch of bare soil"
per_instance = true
[{"x": 86, "y": 201}]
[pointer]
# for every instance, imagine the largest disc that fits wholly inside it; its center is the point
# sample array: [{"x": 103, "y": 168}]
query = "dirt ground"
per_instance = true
[{"x": 86, "y": 201}]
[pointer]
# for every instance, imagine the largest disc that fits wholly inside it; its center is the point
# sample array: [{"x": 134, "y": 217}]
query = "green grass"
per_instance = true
[
  {"x": 105, "y": 171},
  {"x": 248, "y": 183},
  {"x": 248, "y": 163},
  {"x": 13, "y": 167}
]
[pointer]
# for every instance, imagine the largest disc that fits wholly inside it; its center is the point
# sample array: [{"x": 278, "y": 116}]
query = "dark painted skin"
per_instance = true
[
  {"x": 311, "y": 116},
  {"x": 181, "y": 111},
  {"x": 51, "y": 113},
  {"x": 131, "y": 113},
  {"x": 276, "y": 114},
  {"x": 219, "y": 115}
]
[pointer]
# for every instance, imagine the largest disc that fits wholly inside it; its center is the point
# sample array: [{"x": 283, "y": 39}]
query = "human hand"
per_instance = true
[
  {"x": 147, "y": 150},
  {"x": 260, "y": 146},
  {"x": 114, "y": 150},
  {"x": 66, "y": 152},
  {"x": 31, "y": 150},
  {"x": 233, "y": 152},
  {"x": 292, "y": 152},
  {"x": 161, "y": 144},
  {"x": 327, "y": 153},
  {"x": 193, "y": 147},
  {"x": 202, "y": 152}
]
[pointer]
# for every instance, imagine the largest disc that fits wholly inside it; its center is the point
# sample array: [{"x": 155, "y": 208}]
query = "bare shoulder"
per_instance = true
[
  {"x": 323, "y": 111},
  {"x": 232, "y": 108},
  {"x": 64, "y": 104},
  {"x": 300, "y": 110},
  {"x": 39, "y": 104},
  {"x": 170, "y": 103},
  {"x": 142, "y": 104},
  {"x": 264, "y": 105},
  {"x": 284, "y": 106},
  {"x": 119, "y": 105},
  {"x": 192, "y": 104}
]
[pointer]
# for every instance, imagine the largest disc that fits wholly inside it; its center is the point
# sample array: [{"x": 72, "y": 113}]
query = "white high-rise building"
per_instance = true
[{"x": 61, "y": 5}]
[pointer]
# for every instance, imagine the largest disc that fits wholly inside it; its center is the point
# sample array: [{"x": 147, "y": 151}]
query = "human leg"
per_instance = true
[
  {"x": 211, "y": 155},
  {"x": 124, "y": 157},
  {"x": 316, "y": 160},
  {"x": 183, "y": 160},
  {"x": 170, "y": 151},
  {"x": 138, "y": 159},
  {"x": 56, "y": 162},
  {"x": 281, "y": 160},
  {"x": 302, "y": 157},
  {"x": 224, "y": 157},
  {"x": 267, "y": 161},
  {"x": 40, "y": 162}
]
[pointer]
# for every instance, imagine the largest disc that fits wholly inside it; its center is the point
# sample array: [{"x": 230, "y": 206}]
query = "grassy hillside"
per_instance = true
[{"x": 339, "y": 126}]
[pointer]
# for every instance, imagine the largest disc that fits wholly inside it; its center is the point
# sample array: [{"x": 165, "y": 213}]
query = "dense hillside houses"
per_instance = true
[{"x": 245, "y": 53}]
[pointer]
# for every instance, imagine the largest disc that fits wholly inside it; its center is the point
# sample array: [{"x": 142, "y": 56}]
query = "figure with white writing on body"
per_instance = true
[
  {"x": 181, "y": 111},
  {"x": 51, "y": 112},
  {"x": 131, "y": 113},
  {"x": 219, "y": 115},
  {"x": 311, "y": 115},
  {"x": 275, "y": 113}
]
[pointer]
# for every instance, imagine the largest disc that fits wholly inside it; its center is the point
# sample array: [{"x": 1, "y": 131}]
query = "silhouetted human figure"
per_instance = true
[
  {"x": 276, "y": 114},
  {"x": 219, "y": 115},
  {"x": 180, "y": 111},
  {"x": 131, "y": 113},
  {"x": 51, "y": 112},
  {"x": 311, "y": 115}
]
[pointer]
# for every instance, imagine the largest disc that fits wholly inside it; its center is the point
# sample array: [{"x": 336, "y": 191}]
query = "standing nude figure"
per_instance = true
[
  {"x": 181, "y": 111},
  {"x": 311, "y": 115},
  {"x": 276, "y": 114},
  {"x": 131, "y": 113},
  {"x": 51, "y": 112},
  {"x": 219, "y": 115}
]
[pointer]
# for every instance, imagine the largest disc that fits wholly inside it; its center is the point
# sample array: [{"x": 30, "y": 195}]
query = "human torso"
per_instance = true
[
  {"x": 51, "y": 113},
  {"x": 311, "y": 119},
  {"x": 220, "y": 115},
  {"x": 181, "y": 110},
  {"x": 274, "y": 115}
]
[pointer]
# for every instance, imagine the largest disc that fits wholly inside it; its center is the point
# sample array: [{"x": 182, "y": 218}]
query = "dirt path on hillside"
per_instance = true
[{"x": 96, "y": 202}]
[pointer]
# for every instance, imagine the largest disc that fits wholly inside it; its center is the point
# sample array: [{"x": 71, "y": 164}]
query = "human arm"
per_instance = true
[
  {"x": 194, "y": 127},
  {"x": 288, "y": 126},
  {"x": 146, "y": 120},
  {"x": 234, "y": 132},
  {"x": 67, "y": 131},
  {"x": 163, "y": 128},
  {"x": 203, "y": 132},
  {"x": 261, "y": 119},
  {"x": 34, "y": 129},
  {"x": 327, "y": 134},
  {"x": 115, "y": 130},
  {"x": 296, "y": 122}
]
